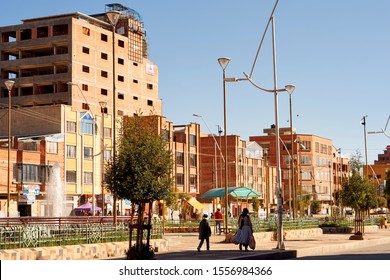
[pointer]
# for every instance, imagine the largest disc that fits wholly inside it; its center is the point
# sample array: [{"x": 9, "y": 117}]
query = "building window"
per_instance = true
[
  {"x": 104, "y": 56},
  {"x": 70, "y": 126},
  {"x": 305, "y": 160},
  {"x": 121, "y": 78},
  {"x": 121, "y": 95},
  {"x": 85, "y": 69},
  {"x": 88, "y": 178},
  {"x": 306, "y": 145},
  {"x": 103, "y": 91},
  {"x": 121, "y": 43},
  {"x": 135, "y": 81},
  {"x": 86, "y": 124},
  {"x": 104, "y": 74},
  {"x": 135, "y": 63},
  {"x": 52, "y": 147},
  {"x": 104, "y": 110},
  {"x": 107, "y": 155},
  {"x": 86, "y": 31},
  {"x": 42, "y": 32},
  {"x": 165, "y": 135},
  {"x": 88, "y": 153},
  {"x": 85, "y": 106},
  {"x": 193, "y": 160},
  {"x": 179, "y": 158},
  {"x": 150, "y": 103},
  {"x": 70, "y": 151},
  {"x": 192, "y": 140},
  {"x": 306, "y": 175},
  {"x": 135, "y": 97},
  {"x": 121, "y": 61},
  {"x": 149, "y": 86},
  {"x": 107, "y": 132},
  {"x": 59, "y": 30},
  {"x": 71, "y": 176},
  {"x": 26, "y": 173},
  {"x": 179, "y": 179},
  {"x": 250, "y": 170},
  {"x": 86, "y": 50},
  {"x": 104, "y": 37},
  {"x": 85, "y": 87},
  {"x": 193, "y": 180}
]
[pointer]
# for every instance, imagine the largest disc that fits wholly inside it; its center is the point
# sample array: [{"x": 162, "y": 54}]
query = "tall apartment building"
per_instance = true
[
  {"x": 69, "y": 72},
  {"x": 318, "y": 168}
]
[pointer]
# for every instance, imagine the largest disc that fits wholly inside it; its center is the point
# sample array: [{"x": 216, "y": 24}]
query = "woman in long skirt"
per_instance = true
[{"x": 244, "y": 230}]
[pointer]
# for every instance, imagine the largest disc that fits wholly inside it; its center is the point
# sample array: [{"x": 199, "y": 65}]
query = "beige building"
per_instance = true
[
  {"x": 317, "y": 168},
  {"x": 69, "y": 72}
]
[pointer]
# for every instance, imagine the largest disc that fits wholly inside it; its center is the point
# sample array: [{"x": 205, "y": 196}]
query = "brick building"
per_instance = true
[
  {"x": 318, "y": 168},
  {"x": 69, "y": 72}
]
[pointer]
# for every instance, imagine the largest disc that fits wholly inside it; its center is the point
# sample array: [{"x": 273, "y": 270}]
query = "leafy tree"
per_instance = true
[
  {"x": 315, "y": 206},
  {"x": 255, "y": 204},
  {"x": 382, "y": 202},
  {"x": 355, "y": 162},
  {"x": 141, "y": 170},
  {"x": 358, "y": 193},
  {"x": 304, "y": 201}
]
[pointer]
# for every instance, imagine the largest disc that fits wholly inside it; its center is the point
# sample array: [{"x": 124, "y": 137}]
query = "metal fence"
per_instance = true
[{"x": 45, "y": 232}]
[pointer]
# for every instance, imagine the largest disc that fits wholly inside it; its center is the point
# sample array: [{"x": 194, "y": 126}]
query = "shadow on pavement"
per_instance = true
[{"x": 228, "y": 255}]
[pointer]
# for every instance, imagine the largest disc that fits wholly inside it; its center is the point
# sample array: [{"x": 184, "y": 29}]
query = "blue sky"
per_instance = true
[{"x": 335, "y": 52}]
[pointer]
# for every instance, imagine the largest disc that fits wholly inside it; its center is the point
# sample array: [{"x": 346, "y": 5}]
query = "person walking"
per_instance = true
[
  {"x": 244, "y": 230},
  {"x": 204, "y": 233},
  {"x": 218, "y": 220}
]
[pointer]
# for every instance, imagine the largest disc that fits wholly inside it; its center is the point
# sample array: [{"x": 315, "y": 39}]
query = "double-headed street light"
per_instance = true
[
  {"x": 223, "y": 62},
  {"x": 9, "y": 84},
  {"x": 275, "y": 91}
]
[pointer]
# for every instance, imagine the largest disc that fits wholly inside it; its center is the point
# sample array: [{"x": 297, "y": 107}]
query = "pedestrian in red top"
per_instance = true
[{"x": 218, "y": 220}]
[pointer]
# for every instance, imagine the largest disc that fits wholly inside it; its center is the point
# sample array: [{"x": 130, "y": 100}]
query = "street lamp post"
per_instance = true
[
  {"x": 9, "y": 84},
  {"x": 275, "y": 91},
  {"x": 223, "y": 62},
  {"x": 293, "y": 185},
  {"x": 103, "y": 105},
  {"x": 365, "y": 142},
  {"x": 113, "y": 18},
  {"x": 215, "y": 152}
]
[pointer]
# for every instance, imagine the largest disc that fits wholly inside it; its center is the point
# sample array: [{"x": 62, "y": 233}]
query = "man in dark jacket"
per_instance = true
[{"x": 204, "y": 233}]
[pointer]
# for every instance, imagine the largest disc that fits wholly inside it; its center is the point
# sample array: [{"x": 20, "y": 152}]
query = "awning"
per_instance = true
[
  {"x": 196, "y": 204},
  {"x": 237, "y": 192}
]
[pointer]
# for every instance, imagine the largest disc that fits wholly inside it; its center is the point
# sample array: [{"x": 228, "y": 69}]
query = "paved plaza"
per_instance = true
[{"x": 183, "y": 247}]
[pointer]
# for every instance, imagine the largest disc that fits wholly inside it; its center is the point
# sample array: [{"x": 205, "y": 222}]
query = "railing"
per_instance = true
[{"x": 43, "y": 232}]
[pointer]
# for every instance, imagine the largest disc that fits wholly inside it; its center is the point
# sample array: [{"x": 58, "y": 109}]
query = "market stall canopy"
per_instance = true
[
  {"x": 237, "y": 192},
  {"x": 87, "y": 206},
  {"x": 196, "y": 204}
]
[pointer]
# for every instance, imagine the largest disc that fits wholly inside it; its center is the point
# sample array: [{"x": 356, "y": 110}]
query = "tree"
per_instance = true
[
  {"x": 142, "y": 169},
  {"x": 355, "y": 162},
  {"x": 358, "y": 193},
  {"x": 315, "y": 206}
]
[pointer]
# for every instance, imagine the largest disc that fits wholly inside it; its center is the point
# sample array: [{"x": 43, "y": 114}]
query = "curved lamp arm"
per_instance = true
[{"x": 288, "y": 88}]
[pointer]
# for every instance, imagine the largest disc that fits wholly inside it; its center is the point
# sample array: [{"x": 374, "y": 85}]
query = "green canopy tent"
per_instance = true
[{"x": 237, "y": 192}]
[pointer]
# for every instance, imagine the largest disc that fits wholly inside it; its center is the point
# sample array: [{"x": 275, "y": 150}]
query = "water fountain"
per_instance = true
[{"x": 55, "y": 193}]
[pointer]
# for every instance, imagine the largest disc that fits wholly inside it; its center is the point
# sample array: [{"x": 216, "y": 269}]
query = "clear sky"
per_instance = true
[{"x": 335, "y": 52}]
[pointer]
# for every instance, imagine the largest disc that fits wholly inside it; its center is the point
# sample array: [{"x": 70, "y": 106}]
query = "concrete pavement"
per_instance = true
[{"x": 182, "y": 246}]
